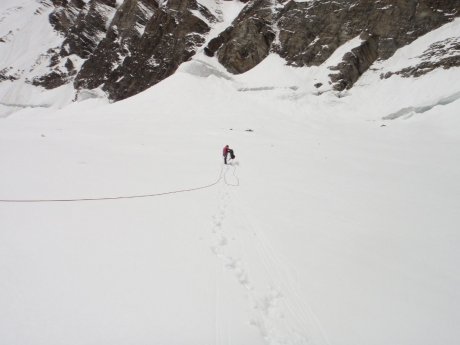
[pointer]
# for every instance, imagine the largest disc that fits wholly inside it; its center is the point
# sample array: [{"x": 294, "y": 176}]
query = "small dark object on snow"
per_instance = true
[{"x": 249, "y": 130}]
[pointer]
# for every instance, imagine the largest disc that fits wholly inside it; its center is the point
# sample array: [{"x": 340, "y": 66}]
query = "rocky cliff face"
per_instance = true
[
  {"x": 126, "y": 46},
  {"x": 248, "y": 40},
  {"x": 123, "y": 36},
  {"x": 307, "y": 33},
  {"x": 123, "y": 49},
  {"x": 83, "y": 25},
  {"x": 444, "y": 54},
  {"x": 145, "y": 43},
  {"x": 171, "y": 36}
]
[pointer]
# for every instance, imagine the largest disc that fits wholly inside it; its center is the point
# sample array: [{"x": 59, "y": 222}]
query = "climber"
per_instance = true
[{"x": 226, "y": 152}]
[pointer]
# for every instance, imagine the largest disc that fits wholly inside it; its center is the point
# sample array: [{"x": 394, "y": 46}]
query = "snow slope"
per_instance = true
[
  {"x": 26, "y": 37},
  {"x": 333, "y": 225}
]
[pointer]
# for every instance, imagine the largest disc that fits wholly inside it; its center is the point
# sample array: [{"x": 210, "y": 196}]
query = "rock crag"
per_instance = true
[{"x": 126, "y": 46}]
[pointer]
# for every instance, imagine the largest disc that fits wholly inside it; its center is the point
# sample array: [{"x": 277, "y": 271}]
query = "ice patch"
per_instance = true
[
  {"x": 410, "y": 111},
  {"x": 86, "y": 94},
  {"x": 202, "y": 69}
]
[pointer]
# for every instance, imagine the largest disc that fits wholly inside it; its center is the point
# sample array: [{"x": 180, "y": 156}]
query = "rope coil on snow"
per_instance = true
[
  {"x": 221, "y": 176},
  {"x": 237, "y": 184}
]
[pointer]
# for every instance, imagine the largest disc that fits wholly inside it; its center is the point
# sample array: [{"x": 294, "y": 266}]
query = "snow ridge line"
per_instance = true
[
  {"x": 26, "y": 105},
  {"x": 410, "y": 111},
  {"x": 221, "y": 176}
]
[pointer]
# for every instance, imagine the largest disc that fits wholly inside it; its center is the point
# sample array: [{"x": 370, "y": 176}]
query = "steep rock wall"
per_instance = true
[
  {"x": 127, "y": 46},
  {"x": 308, "y": 33}
]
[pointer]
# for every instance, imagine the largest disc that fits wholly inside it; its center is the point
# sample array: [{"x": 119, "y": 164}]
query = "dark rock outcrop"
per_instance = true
[
  {"x": 248, "y": 41},
  {"x": 89, "y": 29},
  {"x": 52, "y": 80},
  {"x": 309, "y": 32},
  {"x": 391, "y": 24},
  {"x": 144, "y": 44},
  {"x": 65, "y": 14},
  {"x": 126, "y": 49},
  {"x": 171, "y": 36},
  {"x": 5, "y": 74},
  {"x": 122, "y": 39},
  {"x": 83, "y": 26},
  {"x": 444, "y": 54},
  {"x": 355, "y": 63},
  {"x": 62, "y": 71}
]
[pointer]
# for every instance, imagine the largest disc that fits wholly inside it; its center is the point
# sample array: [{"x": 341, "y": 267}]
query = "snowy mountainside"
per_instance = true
[
  {"x": 26, "y": 38},
  {"x": 337, "y": 223},
  {"x": 54, "y": 52}
]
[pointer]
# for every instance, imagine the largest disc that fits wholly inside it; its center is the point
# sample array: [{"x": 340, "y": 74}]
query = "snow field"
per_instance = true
[{"x": 333, "y": 225}]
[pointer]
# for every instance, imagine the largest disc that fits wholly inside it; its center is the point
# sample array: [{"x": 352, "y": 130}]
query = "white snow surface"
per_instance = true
[
  {"x": 224, "y": 11},
  {"x": 332, "y": 226}
]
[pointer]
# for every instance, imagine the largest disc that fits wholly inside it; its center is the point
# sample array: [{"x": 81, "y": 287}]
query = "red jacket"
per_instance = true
[{"x": 226, "y": 150}]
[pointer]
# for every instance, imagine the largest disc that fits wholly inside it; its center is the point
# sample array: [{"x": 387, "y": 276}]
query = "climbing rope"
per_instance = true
[
  {"x": 234, "y": 175},
  {"x": 221, "y": 175}
]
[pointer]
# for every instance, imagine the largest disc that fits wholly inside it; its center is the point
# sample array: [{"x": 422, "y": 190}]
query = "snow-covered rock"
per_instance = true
[{"x": 125, "y": 47}]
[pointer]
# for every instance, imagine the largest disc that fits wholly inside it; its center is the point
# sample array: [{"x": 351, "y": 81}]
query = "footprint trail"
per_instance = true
[{"x": 275, "y": 308}]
